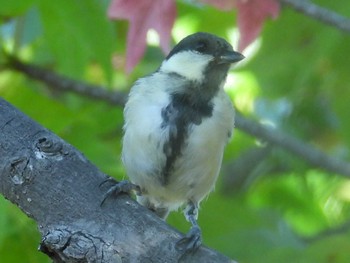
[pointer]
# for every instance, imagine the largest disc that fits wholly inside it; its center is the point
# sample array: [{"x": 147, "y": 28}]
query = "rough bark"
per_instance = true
[{"x": 54, "y": 184}]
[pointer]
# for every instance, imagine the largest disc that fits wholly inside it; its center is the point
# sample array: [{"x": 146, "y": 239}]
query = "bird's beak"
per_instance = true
[{"x": 231, "y": 57}]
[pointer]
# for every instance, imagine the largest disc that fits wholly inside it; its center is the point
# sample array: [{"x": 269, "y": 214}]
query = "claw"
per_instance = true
[
  {"x": 119, "y": 188},
  {"x": 191, "y": 242},
  {"x": 193, "y": 239},
  {"x": 109, "y": 179}
]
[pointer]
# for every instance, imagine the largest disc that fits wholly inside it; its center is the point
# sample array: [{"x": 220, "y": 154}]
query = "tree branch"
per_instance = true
[
  {"x": 61, "y": 190},
  {"x": 293, "y": 145},
  {"x": 65, "y": 84},
  {"x": 338, "y": 230},
  {"x": 322, "y": 14}
]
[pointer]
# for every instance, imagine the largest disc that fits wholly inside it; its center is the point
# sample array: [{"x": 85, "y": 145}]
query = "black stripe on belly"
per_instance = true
[{"x": 178, "y": 116}]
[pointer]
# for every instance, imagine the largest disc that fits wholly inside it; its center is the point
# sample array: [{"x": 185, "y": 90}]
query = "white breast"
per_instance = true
[
  {"x": 196, "y": 171},
  {"x": 142, "y": 154}
]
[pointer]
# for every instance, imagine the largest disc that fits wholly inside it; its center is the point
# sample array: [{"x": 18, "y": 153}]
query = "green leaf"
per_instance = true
[
  {"x": 333, "y": 249},
  {"x": 78, "y": 33},
  {"x": 10, "y": 8},
  {"x": 19, "y": 238}
]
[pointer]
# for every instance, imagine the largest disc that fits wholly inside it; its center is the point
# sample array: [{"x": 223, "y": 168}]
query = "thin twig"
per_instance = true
[
  {"x": 319, "y": 13},
  {"x": 297, "y": 147},
  {"x": 338, "y": 230},
  {"x": 65, "y": 84}
]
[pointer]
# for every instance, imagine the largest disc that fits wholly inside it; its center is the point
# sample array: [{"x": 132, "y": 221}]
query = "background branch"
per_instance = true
[
  {"x": 342, "y": 229},
  {"x": 295, "y": 146},
  {"x": 319, "y": 13},
  {"x": 65, "y": 84},
  {"x": 291, "y": 144},
  {"x": 60, "y": 189}
]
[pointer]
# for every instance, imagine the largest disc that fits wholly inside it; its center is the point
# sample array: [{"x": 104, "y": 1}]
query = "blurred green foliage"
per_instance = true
[{"x": 295, "y": 77}]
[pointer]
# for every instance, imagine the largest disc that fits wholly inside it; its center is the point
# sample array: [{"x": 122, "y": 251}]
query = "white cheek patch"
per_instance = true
[{"x": 188, "y": 64}]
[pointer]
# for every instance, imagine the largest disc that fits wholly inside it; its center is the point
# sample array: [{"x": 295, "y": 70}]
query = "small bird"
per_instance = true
[{"x": 178, "y": 121}]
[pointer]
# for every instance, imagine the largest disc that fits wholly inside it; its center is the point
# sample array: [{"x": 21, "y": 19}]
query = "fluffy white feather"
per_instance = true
[
  {"x": 189, "y": 64},
  {"x": 197, "y": 169}
]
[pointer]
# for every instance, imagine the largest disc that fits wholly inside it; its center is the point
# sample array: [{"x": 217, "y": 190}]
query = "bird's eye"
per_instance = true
[{"x": 201, "y": 46}]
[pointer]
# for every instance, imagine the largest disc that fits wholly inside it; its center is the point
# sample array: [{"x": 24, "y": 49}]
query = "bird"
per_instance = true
[{"x": 177, "y": 122}]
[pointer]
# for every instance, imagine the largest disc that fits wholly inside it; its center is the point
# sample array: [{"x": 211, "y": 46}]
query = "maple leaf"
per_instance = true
[
  {"x": 251, "y": 16},
  {"x": 142, "y": 16}
]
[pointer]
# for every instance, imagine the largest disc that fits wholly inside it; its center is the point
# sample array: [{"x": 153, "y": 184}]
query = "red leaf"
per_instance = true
[
  {"x": 144, "y": 15},
  {"x": 251, "y": 17}
]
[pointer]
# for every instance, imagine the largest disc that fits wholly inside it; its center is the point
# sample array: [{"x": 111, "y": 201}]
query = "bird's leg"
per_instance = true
[
  {"x": 119, "y": 188},
  {"x": 193, "y": 239}
]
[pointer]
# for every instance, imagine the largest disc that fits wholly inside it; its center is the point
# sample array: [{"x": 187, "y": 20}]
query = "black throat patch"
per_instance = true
[{"x": 178, "y": 116}]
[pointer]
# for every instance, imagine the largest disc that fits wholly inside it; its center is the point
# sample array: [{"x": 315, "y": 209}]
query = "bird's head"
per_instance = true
[{"x": 201, "y": 57}]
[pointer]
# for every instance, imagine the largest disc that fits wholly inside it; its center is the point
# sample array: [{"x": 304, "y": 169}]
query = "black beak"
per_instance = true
[{"x": 231, "y": 57}]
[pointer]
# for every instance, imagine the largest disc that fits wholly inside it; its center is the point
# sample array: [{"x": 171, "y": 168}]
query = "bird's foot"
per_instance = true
[
  {"x": 118, "y": 188},
  {"x": 191, "y": 241}
]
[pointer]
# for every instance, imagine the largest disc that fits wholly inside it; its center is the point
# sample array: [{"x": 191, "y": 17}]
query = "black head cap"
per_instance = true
[{"x": 209, "y": 44}]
